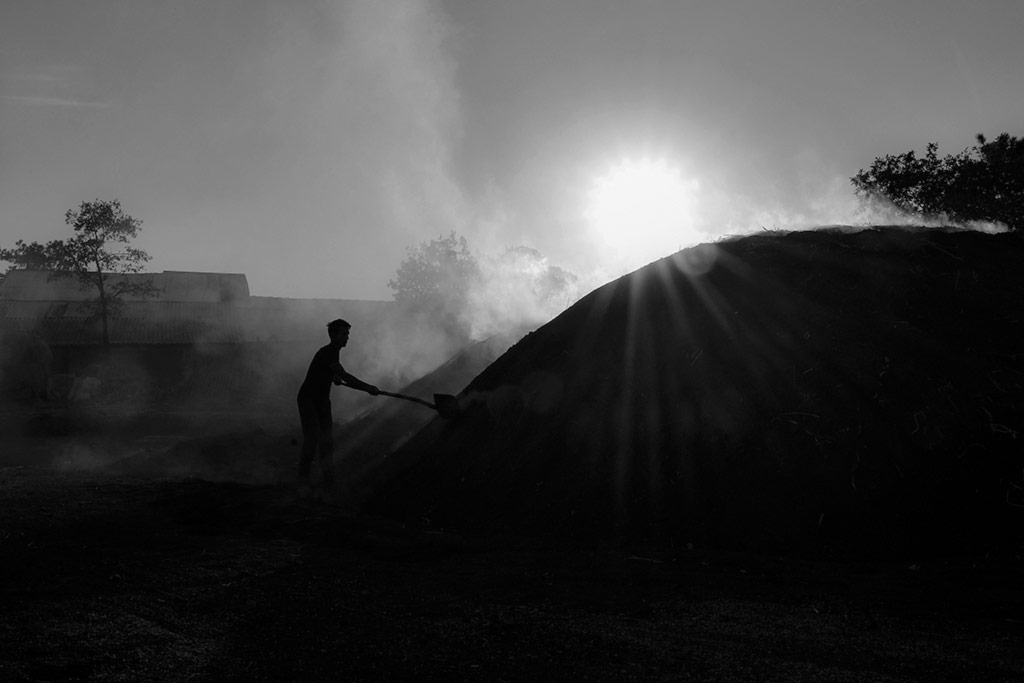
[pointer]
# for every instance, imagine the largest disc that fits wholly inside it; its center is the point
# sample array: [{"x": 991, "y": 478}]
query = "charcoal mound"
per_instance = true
[
  {"x": 837, "y": 388},
  {"x": 364, "y": 442}
]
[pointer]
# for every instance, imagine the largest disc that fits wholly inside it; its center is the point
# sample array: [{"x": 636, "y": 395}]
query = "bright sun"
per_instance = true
[{"x": 642, "y": 210}]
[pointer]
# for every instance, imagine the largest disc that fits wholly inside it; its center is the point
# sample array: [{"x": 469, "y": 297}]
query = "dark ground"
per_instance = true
[{"x": 121, "y": 578}]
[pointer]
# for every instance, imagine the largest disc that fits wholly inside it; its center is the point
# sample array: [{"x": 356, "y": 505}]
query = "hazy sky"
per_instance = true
[{"x": 307, "y": 143}]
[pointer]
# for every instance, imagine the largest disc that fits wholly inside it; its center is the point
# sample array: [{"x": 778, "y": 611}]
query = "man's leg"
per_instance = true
[
  {"x": 310, "y": 436},
  {"x": 325, "y": 424}
]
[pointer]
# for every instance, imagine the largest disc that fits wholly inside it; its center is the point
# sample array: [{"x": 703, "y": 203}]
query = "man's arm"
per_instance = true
[{"x": 341, "y": 377}]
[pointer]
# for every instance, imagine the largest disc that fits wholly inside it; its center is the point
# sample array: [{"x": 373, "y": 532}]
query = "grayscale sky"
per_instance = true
[{"x": 307, "y": 143}]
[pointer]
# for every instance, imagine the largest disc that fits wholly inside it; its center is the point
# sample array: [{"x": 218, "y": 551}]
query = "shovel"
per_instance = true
[{"x": 446, "y": 405}]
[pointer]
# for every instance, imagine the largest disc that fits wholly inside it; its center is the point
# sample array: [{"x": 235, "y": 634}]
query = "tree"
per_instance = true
[
  {"x": 437, "y": 272},
  {"x": 441, "y": 270},
  {"x": 98, "y": 255},
  {"x": 435, "y": 279},
  {"x": 982, "y": 183},
  {"x": 469, "y": 295}
]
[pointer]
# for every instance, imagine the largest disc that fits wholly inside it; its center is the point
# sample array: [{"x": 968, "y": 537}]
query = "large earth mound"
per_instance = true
[{"x": 858, "y": 389}]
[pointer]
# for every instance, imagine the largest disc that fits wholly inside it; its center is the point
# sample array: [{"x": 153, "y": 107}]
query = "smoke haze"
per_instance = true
[
  {"x": 303, "y": 144},
  {"x": 307, "y": 144}
]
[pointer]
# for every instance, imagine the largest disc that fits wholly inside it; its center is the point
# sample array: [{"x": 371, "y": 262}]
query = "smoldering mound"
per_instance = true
[
  {"x": 364, "y": 442},
  {"x": 858, "y": 389}
]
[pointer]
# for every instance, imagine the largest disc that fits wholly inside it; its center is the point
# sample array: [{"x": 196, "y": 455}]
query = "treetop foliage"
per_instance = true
[
  {"x": 982, "y": 183},
  {"x": 443, "y": 268},
  {"x": 472, "y": 294},
  {"x": 92, "y": 253},
  {"x": 97, "y": 225}
]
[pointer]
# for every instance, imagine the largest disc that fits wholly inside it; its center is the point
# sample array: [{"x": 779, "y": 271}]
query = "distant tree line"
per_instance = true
[{"x": 982, "y": 183}]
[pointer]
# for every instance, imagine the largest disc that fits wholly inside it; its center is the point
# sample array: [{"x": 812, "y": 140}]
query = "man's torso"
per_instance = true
[{"x": 317, "y": 384}]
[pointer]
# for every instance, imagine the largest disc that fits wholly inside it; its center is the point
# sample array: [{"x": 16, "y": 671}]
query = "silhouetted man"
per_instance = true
[{"x": 315, "y": 401}]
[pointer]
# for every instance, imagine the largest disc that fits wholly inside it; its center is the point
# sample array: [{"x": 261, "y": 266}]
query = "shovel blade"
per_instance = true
[{"x": 447, "y": 405}]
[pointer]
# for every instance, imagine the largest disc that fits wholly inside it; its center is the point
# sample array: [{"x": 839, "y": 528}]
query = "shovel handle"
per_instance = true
[{"x": 408, "y": 398}]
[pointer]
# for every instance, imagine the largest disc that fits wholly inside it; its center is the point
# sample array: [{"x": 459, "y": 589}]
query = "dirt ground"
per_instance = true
[{"x": 115, "y": 577}]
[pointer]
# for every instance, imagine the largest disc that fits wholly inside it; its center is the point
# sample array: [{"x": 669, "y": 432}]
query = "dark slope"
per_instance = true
[
  {"x": 363, "y": 442},
  {"x": 860, "y": 389}
]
